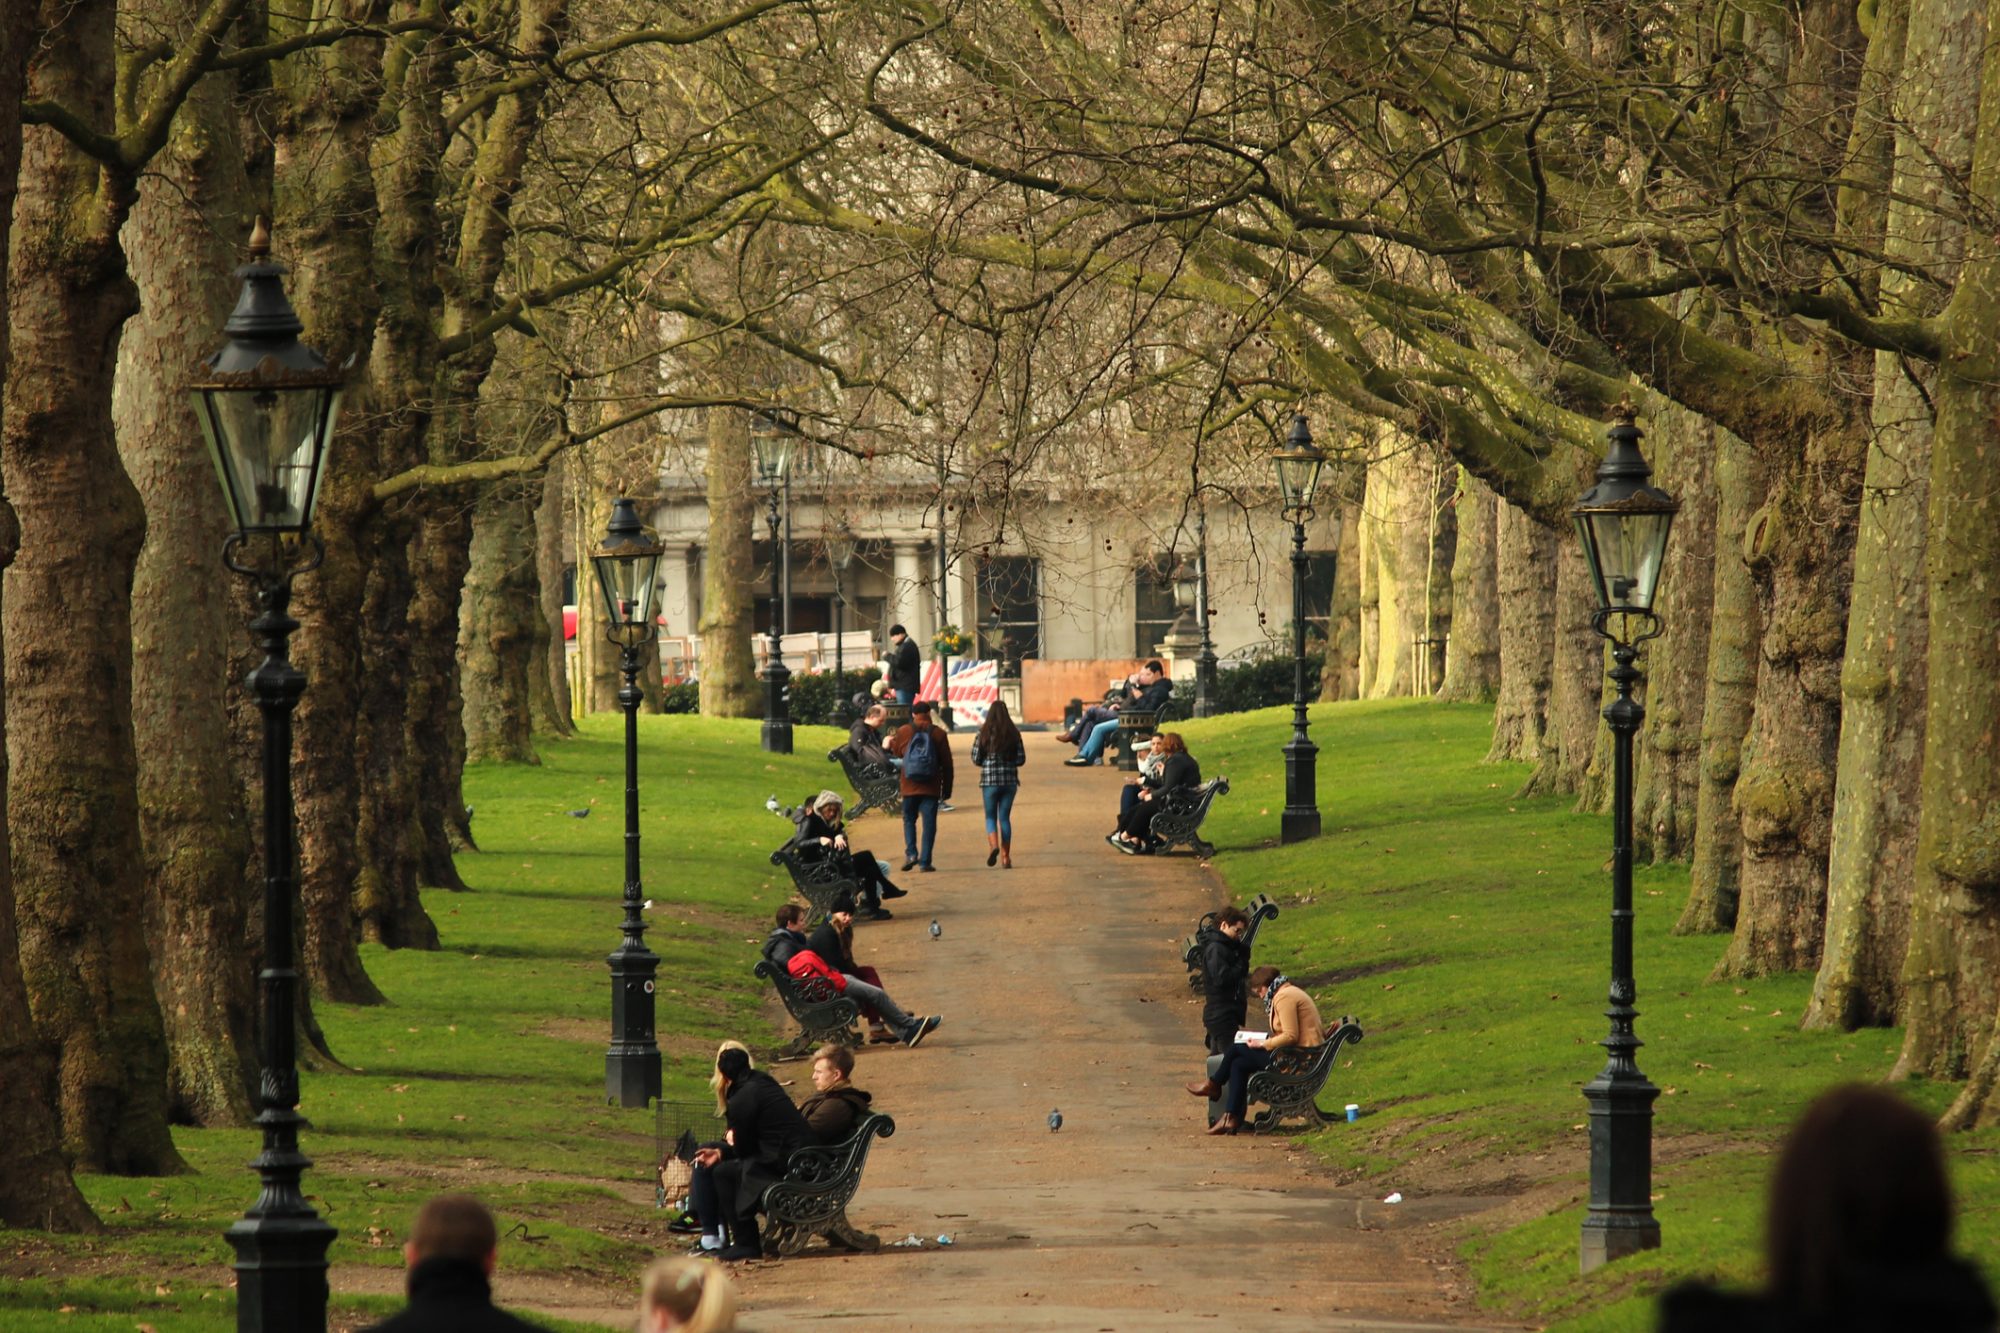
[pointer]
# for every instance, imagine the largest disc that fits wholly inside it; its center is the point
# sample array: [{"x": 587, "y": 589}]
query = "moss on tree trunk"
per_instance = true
[
  {"x": 499, "y": 652},
  {"x": 1472, "y": 654},
  {"x": 1525, "y": 572}
]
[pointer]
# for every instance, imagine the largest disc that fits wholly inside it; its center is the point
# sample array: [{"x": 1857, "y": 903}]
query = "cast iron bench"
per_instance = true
[
  {"x": 1260, "y": 909},
  {"x": 819, "y": 1183},
  {"x": 1291, "y": 1086},
  {"x": 819, "y": 880},
  {"x": 876, "y": 786},
  {"x": 1136, "y": 726},
  {"x": 1177, "y": 819},
  {"x": 824, "y": 1014}
]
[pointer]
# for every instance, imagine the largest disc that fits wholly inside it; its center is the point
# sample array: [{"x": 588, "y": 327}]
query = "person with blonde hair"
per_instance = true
[
  {"x": 686, "y": 1296},
  {"x": 822, "y": 835},
  {"x": 703, "y": 1200}
]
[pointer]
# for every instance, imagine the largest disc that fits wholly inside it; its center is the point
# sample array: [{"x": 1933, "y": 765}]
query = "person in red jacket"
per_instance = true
[
  {"x": 803, "y": 962},
  {"x": 925, "y": 749}
]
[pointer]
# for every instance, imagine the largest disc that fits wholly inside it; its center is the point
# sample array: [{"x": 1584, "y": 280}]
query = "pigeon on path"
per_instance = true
[
  {"x": 1055, "y": 1121},
  {"x": 936, "y": 929},
  {"x": 580, "y": 814},
  {"x": 771, "y": 803}
]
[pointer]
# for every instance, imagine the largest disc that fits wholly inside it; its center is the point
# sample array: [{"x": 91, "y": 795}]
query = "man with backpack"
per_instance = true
[{"x": 925, "y": 750}]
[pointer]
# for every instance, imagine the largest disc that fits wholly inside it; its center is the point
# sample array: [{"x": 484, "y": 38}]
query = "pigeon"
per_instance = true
[
  {"x": 1055, "y": 1121},
  {"x": 580, "y": 814},
  {"x": 936, "y": 929},
  {"x": 771, "y": 803}
]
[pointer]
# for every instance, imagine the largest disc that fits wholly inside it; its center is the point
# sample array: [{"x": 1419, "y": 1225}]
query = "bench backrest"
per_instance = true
[
  {"x": 1259, "y": 909},
  {"x": 826, "y": 1163},
  {"x": 796, "y": 991}
]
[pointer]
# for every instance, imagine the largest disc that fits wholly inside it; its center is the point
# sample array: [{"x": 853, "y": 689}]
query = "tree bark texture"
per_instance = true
[
  {"x": 728, "y": 681},
  {"x": 1576, "y": 680},
  {"x": 35, "y": 1185},
  {"x": 499, "y": 654},
  {"x": 1340, "y": 676},
  {"x": 1472, "y": 655},
  {"x": 192, "y": 212},
  {"x": 1368, "y": 583},
  {"x": 73, "y": 803},
  {"x": 1667, "y": 783},
  {"x": 440, "y": 556},
  {"x": 1412, "y": 584},
  {"x": 1525, "y": 572},
  {"x": 549, "y": 691},
  {"x": 1734, "y": 628}
]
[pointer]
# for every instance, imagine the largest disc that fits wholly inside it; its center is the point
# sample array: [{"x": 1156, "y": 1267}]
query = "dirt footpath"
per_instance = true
[{"x": 1061, "y": 988}]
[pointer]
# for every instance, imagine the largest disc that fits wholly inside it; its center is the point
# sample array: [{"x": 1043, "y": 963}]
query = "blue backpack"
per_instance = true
[{"x": 920, "y": 757}]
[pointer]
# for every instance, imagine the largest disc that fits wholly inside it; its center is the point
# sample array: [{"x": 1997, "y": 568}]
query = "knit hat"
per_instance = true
[
  {"x": 842, "y": 903},
  {"x": 733, "y": 1064},
  {"x": 826, "y": 798}
]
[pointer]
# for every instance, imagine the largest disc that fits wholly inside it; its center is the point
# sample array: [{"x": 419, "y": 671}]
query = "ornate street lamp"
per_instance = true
[
  {"x": 1298, "y": 466},
  {"x": 267, "y": 405},
  {"x": 840, "y": 555},
  {"x": 1623, "y": 522},
  {"x": 627, "y": 562},
  {"x": 773, "y": 442},
  {"x": 1204, "y": 665}
]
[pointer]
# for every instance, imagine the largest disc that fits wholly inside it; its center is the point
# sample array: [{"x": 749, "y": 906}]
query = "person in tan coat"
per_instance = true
[{"x": 1295, "y": 1021}]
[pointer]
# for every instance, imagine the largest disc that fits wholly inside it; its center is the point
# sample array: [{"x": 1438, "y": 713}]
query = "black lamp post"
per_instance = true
[
  {"x": 267, "y": 405},
  {"x": 839, "y": 556},
  {"x": 773, "y": 442},
  {"x": 1623, "y": 522},
  {"x": 627, "y": 563},
  {"x": 1298, "y": 466},
  {"x": 1204, "y": 665}
]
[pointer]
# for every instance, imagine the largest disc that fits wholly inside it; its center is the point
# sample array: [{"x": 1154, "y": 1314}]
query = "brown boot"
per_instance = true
[
  {"x": 1208, "y": 1088},
  {"x": 1229, "y": 1124}
]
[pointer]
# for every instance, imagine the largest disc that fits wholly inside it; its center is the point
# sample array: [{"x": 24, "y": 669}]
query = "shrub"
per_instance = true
[{"x": 1263, "y": 682}]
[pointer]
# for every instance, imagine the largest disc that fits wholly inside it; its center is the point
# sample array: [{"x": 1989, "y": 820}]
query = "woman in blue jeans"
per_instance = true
[{"x": 999, "y": 753}]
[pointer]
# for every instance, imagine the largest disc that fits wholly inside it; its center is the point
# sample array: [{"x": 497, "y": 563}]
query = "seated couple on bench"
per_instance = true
[
  {"x": 829, "y": 955},
  {"x": 1168, "y": 768},
  {"x": 1295, "y": 1022},
  {"x": 765, "y": 1129},
  {"x": 1146, "y": 690}
]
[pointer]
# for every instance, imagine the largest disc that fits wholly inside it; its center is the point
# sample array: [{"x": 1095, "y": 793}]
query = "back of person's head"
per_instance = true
[
  {"x": 875, "y": 712},
  {"x": 1232, "y": 916},
  {"x": 715, "y": 1078},
  {"x": 896, "y": 631},
  {"x": 838, "y": 1056},
  {"x": 920, "y": 711},
  {"x": 998, "y": 730},
  {"x": 686, "y": 1295},
  {"x": 1860, "y": 1187},
  {"x": 733, "y": 1062},
  {"x": 1261, "y": 977},
  {"x": 453, "y": 1226},
  {"x": 788, "y": 915},
  {"x": 1169, "y": 742}
]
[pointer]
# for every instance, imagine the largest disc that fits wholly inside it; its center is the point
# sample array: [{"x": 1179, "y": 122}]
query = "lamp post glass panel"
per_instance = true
[
  {"x": 1298, "y": 466},
  {"x": 839, "y": 557},
  {"x": 627, "y": 563},
  {"x": 1623, "y": 521},
  {"x": 773, "y": 441},
  {"x": 267, "y": 405}
]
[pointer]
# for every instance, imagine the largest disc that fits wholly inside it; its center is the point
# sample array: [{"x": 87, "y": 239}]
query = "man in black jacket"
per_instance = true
[
  {"x": 451, "y": 1253},
  {"x": 765, "y": 1129},
  {"x": 1225, "y": 974},
  {"x": 906, "y": 666},
  {"x": 1145, "y": 692}
]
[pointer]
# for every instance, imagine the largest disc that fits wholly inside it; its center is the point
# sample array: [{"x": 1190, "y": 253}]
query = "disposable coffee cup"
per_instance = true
[{"x": 1353, "y": 1112}]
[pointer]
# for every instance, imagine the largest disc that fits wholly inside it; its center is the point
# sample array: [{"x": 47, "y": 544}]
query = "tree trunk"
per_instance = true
[
  {"x": 35, "y": 1185},
  {"x": 73, "y": 802},
  {"x": 548, "y": 689},
  {"x": 1801, "y": 547},
  {"x": 1525, "y": 573},
  {"x": 1472, "y": 655},
  {"x": 192, "y": 210},
  {"x": 728, "y": 682},
  {"x": 325, "y": 202},
  {"x": 1668, "y": 777},
  {"x": 1412, "y": 584},
  {"x": 1368, "y": 584},
  {"x": 498, "y": 651},
  {"x": 1340, "y": 677},
  {"x": 1734, "y": 628},
  {"x": 1576, "y": 681},
  {"x": 439, "y": 557}
]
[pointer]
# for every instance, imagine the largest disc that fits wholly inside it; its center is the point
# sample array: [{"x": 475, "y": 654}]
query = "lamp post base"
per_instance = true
[
  {"x": 776, "y": 735},
  {"x": 632, "y": 1064},
  {"x": 281, "y": 1272},
  {"x": 1300, "y": 820},
  {"x": 1620, "y": 1220}
]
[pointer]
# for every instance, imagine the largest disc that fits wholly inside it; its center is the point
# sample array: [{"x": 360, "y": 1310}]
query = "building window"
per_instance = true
[
  {"x": 1153, "y": 609},
  {"x": 1012, "y": 583}
]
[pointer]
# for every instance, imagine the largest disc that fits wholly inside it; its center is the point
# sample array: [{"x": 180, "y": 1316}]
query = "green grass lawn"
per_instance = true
[
  {"x": 486, "y": 1067},
  {"x": 1469, "y": 931}
]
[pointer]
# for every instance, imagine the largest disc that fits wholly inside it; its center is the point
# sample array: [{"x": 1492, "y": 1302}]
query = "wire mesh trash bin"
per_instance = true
[{"x": 678, "y": 1129}]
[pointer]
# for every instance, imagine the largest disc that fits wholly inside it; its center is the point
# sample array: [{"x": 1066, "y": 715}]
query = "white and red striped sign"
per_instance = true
[{"x": 974, "y": 687}]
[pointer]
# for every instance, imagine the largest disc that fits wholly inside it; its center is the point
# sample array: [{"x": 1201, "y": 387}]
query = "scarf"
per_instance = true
[{"x": 1278, "y": 983}]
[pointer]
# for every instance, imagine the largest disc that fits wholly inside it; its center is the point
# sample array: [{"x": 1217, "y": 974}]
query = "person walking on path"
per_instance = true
[
  {"x": 925, "y": 750},
  {"x": 906, "y": 666},
  {"x": 998, "y": 751}
]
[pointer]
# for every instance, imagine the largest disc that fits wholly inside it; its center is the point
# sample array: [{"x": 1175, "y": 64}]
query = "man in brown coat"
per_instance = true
[
  {"x": 837, "y": 1107},
  {"x": 925, "y": 750}
]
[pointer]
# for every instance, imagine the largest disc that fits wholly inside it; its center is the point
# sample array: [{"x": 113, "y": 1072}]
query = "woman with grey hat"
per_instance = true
[{"x": 822, "y": 834}]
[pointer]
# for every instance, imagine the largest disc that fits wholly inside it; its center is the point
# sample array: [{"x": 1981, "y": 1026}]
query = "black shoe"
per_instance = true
[
  {"x": 893, "y": 892},
  {"x": 1130, "y": 849},
  {"x": 738, "y": 1253},
  {"x": 874, "y": 914},
  {"x": 1077, "y": 761},
  {"x": 685, "y": 1225},
  {"x": 993, "y": 857},
  {"x": 1115, "y": 841},
  {"x": 920, "y": 1029},
  {"x": 909, "y": 863},
  {"x": 927, "y": 869}
]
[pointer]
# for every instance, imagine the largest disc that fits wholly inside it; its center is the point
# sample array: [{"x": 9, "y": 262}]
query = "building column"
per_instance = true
[
  {"x": 677, "y": 587},
  {"x": 910, "y": 598}
]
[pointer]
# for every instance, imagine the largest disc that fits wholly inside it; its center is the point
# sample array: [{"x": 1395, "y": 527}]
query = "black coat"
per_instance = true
[
  {"x": 452, "y": 1296},
  {"x": 1942, "y": 1296},
  {"x": 1149, "y": 699},
  {"x": 826, "y": 942},
  {"x": 768, "y": 1128},
  {"x": 906, "y": 666},
  {"x": 865, "y": 743},
  {"x": 781, "y": 944},
  {"x": 1225, "y": 970},
  {"x": 1180, "y": 770}
]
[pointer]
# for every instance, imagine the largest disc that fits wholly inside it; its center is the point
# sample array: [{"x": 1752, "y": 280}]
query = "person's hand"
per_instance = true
[
  {"x": 729, "y": 1137},
  {"x": 1254, "y": 1043},
  {"x": 707, "y": 1156},
  {"x": 840, "y": 841},
  {"x": 826, "y": 842},
  {"x": 1146, "y": 795}
]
